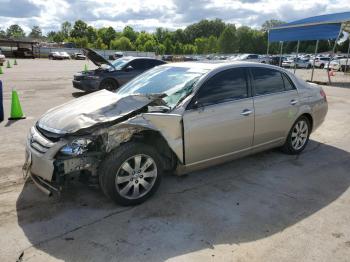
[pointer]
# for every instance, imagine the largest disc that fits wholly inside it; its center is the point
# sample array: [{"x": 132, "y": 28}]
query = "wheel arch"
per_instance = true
[
  {"x": 112, "y": 79},
  {"x": 155, "y": 139},
  {"x": 309, "y": 117}
]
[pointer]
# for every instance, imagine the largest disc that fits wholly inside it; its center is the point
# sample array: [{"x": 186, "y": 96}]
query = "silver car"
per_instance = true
[{"x": 177, "y": 117}]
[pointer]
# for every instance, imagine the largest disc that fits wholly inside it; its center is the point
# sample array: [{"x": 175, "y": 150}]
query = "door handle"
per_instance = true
[
  {"x": 293, "y": 102},
  {"x": 246, "y": 112}
]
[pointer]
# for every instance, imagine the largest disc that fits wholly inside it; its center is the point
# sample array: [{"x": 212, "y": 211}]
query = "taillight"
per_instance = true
[{"x": 323, "y": 94}]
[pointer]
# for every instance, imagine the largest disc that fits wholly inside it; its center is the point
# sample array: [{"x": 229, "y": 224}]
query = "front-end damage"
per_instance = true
[{"x": 67, "y": 160}]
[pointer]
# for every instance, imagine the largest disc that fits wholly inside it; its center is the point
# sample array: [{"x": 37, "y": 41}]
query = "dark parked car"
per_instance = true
[
  {"x": 168, "y": 58},
  {"x": 23, "y": 53},
  {"x": 111, "y": 75},
  {"x": 275, "y": 60}
]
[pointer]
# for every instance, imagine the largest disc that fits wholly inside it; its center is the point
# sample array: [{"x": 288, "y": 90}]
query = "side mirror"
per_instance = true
[{"x": 128, "y": 68}]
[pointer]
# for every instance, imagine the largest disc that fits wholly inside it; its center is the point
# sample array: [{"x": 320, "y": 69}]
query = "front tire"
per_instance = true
[
  {"x": 298, "y": 136},
  {"x": 109, "y": 84},
  {"x": 131, "y": 173}
]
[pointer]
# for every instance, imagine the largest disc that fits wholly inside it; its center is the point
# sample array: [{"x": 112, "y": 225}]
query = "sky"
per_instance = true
[{"x": 150, "y": 14}]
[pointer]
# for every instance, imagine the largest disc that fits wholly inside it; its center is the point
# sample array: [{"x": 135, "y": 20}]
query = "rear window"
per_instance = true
[{"x": 267, "y": 81}]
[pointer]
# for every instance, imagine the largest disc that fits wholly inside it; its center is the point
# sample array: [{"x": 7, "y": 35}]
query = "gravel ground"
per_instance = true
[{"x": 266, "y": 207}]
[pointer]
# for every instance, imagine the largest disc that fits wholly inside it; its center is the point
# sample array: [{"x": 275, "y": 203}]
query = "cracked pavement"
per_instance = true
[{"x": 265, "y": 207}]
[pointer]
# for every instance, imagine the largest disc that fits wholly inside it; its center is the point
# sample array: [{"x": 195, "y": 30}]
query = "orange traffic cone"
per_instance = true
[{"x": 16, "y": 109}]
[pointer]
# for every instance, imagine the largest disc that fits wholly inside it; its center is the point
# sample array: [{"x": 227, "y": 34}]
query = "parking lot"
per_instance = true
[{"x": 266, "y": 207}]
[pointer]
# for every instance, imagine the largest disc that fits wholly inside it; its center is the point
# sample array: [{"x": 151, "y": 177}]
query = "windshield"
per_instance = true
[
  {"x": 119, "y": 63},
  {"x": 175, "y": 82}
]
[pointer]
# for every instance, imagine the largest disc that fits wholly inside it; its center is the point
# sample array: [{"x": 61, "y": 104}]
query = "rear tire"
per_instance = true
[
  {"x": 298, "y": 136},
  {"x": 131, "y": 173}
]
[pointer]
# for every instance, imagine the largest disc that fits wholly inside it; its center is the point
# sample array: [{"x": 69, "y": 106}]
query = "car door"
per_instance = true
[
  {"x": 276, "y": 105},
  {"x": 220, "y": 118}
]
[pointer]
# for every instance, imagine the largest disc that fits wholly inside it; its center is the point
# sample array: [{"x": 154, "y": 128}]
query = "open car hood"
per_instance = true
[
  {"x": 96, "y": 58},
  {"x": 96, "y": 108}
]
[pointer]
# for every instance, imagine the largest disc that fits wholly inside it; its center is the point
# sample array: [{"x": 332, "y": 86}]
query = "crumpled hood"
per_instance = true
[{"x": 96, "y": 108}]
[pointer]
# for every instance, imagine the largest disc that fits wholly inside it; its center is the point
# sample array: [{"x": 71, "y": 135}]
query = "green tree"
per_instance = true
[
  {"x": 212, "y": 44},
  {"x": 141, "y": 40},
  {"x": 123, "y": 44},
  {"x": 189, "y": 49},
  {"x": 227, "y": 41},
  {"x": 36, "y": 32},
  {"x": 178, "y": 48},
  {"x": 245, "y": 39},
  {"x": 79, "y": 29},
  {"x": 271, "y": 23},
  {"x": 201, "y": 44},
  {"x": 129, "y": 32},
  {"x": 107, "y": 34},
  {"x": 160, "y": 50},
  {"x": 66, "y": 29},
  {"x": 204, "y": 28},
  {"x": 99, "y": 44},
  {"x": 2, "y": 33},
  {"x": 81, "y": 42},
  {"x": 15, "y": 31},
  {"x": 169, "y": 48},
  {"x": 91, "y": 34},
  {"x": 150, "y": 46}
]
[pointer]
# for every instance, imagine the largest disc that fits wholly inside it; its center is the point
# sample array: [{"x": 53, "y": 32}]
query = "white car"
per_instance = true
[
  {"x": 2, "y": 58},
  {"x": 59, "y": 55},
  {"x": 252, "y": 58},
  {"x": 300, "y": 63},
  {"x": 320, "y": 62},
  {"x": 339, "y": 65}
]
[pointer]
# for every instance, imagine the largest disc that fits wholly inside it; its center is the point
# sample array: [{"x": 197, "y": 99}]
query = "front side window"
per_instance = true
[
  {"x": 225, "y": 86},
  {"x": 267, "y": 81}
]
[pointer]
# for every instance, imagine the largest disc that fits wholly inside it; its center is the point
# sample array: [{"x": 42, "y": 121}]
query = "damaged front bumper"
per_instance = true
[{"x": 47, "y": 171}]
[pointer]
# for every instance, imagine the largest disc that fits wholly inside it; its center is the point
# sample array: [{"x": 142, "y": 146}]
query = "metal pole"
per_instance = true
[
  {"x": 330, "y": 59},
  {"x": 313, "y": 63},
  {"x": 280, "y": 62},
  {"x": 295, "y": 64},
  {"x": 268, "y": 43},
  {"x": 347, "y": 58}
]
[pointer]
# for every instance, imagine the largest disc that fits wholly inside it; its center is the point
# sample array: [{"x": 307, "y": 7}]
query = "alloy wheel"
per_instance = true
[
  {"x": 136, "y": 176},
  {"x": 300, "y": 134}
]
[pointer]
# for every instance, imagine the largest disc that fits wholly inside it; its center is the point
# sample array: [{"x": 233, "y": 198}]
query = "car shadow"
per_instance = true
[
  {"x": 241, "y": 201},
  {"x": 79, "y": 94}
]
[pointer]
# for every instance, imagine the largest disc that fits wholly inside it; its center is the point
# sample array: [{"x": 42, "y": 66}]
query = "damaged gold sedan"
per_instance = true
[{"x": 179, "y": 118}]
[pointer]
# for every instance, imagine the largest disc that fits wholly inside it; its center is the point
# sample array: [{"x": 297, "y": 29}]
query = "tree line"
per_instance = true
[{"x": 204, "y": 37}]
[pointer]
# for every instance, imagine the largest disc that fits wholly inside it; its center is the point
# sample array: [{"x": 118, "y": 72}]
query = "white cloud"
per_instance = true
[{"x": 149, "y": 14}]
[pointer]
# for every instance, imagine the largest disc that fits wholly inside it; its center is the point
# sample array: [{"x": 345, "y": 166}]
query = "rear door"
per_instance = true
[
  {"x": 276, "y": 103},
  {"x": 220, "y": 119}
]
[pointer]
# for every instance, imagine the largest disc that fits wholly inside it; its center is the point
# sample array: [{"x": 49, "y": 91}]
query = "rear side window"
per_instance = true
[
  {"x": 267, "y": 81},
  {"x": 225, "y": 86},
  {"x": 288, "y": 85},
  {"x": 139, "y": 64}
]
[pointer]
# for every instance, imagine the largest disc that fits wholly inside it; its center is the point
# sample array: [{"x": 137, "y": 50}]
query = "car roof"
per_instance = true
[{"x": 216, "y": 64}]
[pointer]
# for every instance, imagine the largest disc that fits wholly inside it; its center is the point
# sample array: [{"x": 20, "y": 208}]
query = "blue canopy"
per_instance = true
[{"x": 323, "y": 27}]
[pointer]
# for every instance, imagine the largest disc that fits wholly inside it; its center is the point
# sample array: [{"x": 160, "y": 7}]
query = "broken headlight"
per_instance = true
[{"x": 76, "y": 147}]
